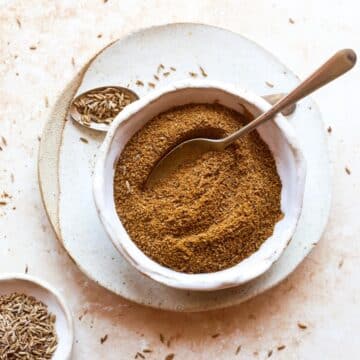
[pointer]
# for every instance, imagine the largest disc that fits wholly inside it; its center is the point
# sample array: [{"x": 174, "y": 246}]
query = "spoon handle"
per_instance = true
[{"x": 336, "y": 66}]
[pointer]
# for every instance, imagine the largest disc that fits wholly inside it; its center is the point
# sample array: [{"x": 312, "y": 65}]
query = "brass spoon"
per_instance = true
[
  {"x": 100, "y": 126},
  {"x": 192, "y": 149}
]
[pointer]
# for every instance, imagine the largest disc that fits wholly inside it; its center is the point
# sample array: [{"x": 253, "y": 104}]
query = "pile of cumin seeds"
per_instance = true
[
  {"x": 102, "y": 105},
  {"x": 27, "y": 329}
]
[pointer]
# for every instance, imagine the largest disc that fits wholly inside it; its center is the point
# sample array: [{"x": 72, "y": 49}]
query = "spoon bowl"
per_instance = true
[{"x": 99, "y": 126}]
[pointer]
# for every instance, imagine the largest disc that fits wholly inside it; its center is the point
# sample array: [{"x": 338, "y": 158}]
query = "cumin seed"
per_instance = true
[
  {"x": 301, "y": 326},
  {"x": 203, "y": 72},
  {"x": 103, "y": 339}
]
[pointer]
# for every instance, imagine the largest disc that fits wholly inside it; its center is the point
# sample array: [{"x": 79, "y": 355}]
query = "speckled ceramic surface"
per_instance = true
[
  {"x": 240, "y": 62},
  {"x": 29, "y": 285}
]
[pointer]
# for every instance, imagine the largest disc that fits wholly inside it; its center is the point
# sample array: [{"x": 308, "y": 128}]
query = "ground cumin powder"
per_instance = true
[{"x": 209, "y": 214}]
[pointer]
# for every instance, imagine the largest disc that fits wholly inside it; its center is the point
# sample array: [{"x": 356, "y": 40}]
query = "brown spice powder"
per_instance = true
[{"x": 211, "y": 213}]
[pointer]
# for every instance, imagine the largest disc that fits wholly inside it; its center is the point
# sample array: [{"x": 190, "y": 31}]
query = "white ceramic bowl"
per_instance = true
[
  {"x": 29, "y": 285},
  {"x": 277, "y": 134}
]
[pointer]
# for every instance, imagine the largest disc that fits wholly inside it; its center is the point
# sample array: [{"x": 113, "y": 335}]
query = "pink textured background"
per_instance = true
[{"x": 323, "y": 293}]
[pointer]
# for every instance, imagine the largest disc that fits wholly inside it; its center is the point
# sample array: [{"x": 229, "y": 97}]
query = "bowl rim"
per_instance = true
[
  {"x": 59, "y": 298},
  {"x": 204, "y": 281}
]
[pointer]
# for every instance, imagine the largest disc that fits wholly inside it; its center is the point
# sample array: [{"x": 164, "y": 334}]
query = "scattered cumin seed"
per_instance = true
[
  {"x": 147, "y": 351},
  {"x": 128, "y": 186},
  {"x": 103, "y": 339},
  {"x": 162, "y": 339},
  {"x": 138, "y": 354},
  {"x": 301, "y": 326},
  {"x": 46, "y": 102},
  {"x": 26, "y": 269},
  {"x": 105, "y": 1},
  {"x": 86, "y": 141},
  {"x": 269, "y": 84},
  {"x": 192, "y": 74},
  {"x": 18, "y": 22},
  {"x": 139, "y": 83},
  {"x": 270, "y": 352},
  {"x": 4, "y": 141},
  {"x": 72, "y": 61},
  {"x": 1, "y": 149},
  {"x": 291, "y": 21},
  {"x": 238, "y": 350},
  {"x": 172, "y": 68},
  {"x": 170, "y": 356},
  {"x": 152, "y": 85},
  {"x": 83, "y": 314},
  {"x": 3, "y": 203},
  {"x": 166, "y": 74},
  {"x": 348, "y": 171},
  {"x": 341, "y": 263},
  {"x": 99, "y": 36},
  {"x": 281, "y": 347},
  {"x": 156, "y": 78},
  {"x": 32, "y": 47},
  {"x": 203, "y": 72},
  {"x": 160, "y": 67},
  {"x": 329, "y": 130},
  {"x": 215, "y": 335}
]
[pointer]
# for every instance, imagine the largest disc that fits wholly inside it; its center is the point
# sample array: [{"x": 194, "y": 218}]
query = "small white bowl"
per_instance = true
[
  {"x": 29, "y": 285},
  {"x": 277, "y": 134}
]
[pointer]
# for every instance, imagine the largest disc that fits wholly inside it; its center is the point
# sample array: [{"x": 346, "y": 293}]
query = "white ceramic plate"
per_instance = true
[
  {"x": 65, "y": 171},
  {"x": 29, "y": 285}
]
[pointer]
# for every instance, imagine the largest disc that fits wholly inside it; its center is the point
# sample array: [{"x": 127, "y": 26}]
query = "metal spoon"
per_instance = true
[
  {"x": 188, "y": 150},
  {"x": 99, "y": 126}
]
